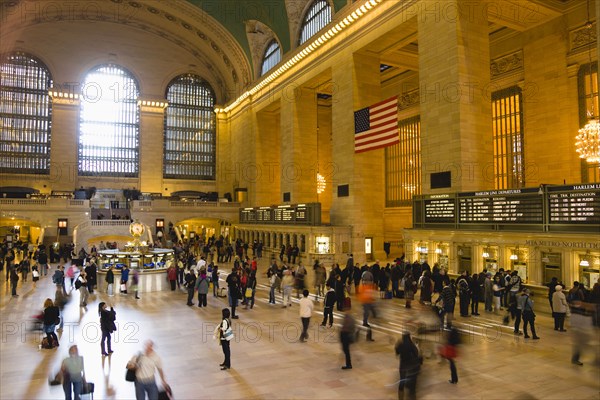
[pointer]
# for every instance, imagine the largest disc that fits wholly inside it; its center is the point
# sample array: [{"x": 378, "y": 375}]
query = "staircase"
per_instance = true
[{"x": 84, "y": 233}]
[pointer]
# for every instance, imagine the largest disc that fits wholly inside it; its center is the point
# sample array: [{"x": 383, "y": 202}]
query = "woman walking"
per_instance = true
[
  {"x": 107, "y": 326},
  {"x": 410, "y": 365},
  {"x": 450, "y": 351}
]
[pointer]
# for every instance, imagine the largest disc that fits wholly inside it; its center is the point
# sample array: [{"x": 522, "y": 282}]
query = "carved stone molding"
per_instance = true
[
  {"x": 259, "y": 36},
  {"x": 295, "y": 10},
  {"x": 582, "y": 37},
  {"x": 505, "y": 64},
  {"x": 409, "y": 99}
]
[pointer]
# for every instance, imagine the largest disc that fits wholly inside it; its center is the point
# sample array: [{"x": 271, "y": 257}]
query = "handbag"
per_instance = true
[
  {"x": 131, "y": 370},
  {"x": 248, "y": 292},
  {"x": 228, "y": 334}
]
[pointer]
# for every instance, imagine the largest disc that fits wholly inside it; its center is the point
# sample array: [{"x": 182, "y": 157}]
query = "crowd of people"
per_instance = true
[{"x": 195, "y": 270}]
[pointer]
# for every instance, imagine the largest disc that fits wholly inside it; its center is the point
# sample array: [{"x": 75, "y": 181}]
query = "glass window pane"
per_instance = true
[
  {"x": 403, "y": 165},
  {"x": 317, "y": 16},
  {"x": 25, "y": 115},
  {"x": 271, "y": 58},
  {"x": 109, "y": 123},
  {"x": 190, "y": 130}
]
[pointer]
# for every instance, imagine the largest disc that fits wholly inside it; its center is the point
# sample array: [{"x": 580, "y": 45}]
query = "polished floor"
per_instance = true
[{"x": 269, "y": 363}]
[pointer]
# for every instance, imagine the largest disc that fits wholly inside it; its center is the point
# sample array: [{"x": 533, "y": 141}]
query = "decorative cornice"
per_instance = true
[
  {"x": 582, "y": 37},
  {"x": 409, "y": 99},
  {"x": 505, "y": 64},
  {"x": 156, "y": 106},
  {"x": 63, "y": 98}
]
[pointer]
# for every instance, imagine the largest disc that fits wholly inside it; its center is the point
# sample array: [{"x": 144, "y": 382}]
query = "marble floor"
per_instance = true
[{"x": 268, "y": 362}]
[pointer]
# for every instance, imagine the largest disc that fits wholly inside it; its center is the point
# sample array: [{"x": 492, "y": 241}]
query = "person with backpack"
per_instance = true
[
  {"x": 528, "y": 314},
  {"x": 463, "y": 294}
]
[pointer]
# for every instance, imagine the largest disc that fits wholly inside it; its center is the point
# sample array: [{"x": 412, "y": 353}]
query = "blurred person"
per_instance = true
[
  {"x": 107, "y": 326},
  {"x": 347, "y": 334},
  {"x": 551, "y": 289},
  {"x": 215, "y": 280},
  {"x": 560, "y": 307},
  {"x": 528, "y": 314},
  {"x": 275, "y": 282},
  {"x": 73, "y": 373},
  {"x": 410, "y": 288},
  {"x": 146, "y": 364},
  {"x": 14, "y": 280},
  {"x": 516, "y": 307},
  {"x": 51, "y": 317},
  {"x": 250, "y": 290},
  {"x": 287, "y": 284},
  {"x": 366, "y": 296},
  {"x": 110, "y": 281},
  {"x": 320, "y": 275},
  {"x": 124, "y": 279},
  {"x": 498, "y": 292},
  {"x": 488, "y": 292},
  {"x": 426, "y": 288},
  {"x": 81, "y": 285},
  {"x": 410, "y": 365},
  {"x": 306, "y": 309},
  {"x": 450, "y": 351},
  {"x": 135, "y": 282},
  {"x": 474, "y": 289},
  {"x": 581, "y": 323},
  {"x": 35, "y": 274},
  {"x": 448, "y": 299}
]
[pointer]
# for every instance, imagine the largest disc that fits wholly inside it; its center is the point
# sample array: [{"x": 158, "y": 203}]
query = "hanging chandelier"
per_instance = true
[
  {"x": 588, "y": 142},
  {"x": 588, "y": 139}
]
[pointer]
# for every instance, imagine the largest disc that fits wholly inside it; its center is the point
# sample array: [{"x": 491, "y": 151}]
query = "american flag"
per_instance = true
[{"x": 376, "y": 126}]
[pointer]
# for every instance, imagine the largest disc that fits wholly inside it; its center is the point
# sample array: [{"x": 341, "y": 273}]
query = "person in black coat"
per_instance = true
[
  {"x": 410, "y": 365},
  {"x": 339, "y": 292},
  {"x": 233, "y": 284},
  {"x": 107, "y": 325},
  {"x": 51, "y": 316},
  {"x": 328, "y": 303},
  {"x": 474, "y": 286},
  {"x": 190, "y": 281},
  {"x": 90, "y": 271}
]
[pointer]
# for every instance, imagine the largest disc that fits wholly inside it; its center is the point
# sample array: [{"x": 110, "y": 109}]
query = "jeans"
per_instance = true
[
  {"x": 141, "y": 388},
  {"x": 226, "y": 353},
  {"x": 76, "y": 389},
  {"x": 109, "y": 289},
  {"x": 105, "y": 336},
  {"x": 272, "y": 295},
  {"x": 327, "y": 313}
]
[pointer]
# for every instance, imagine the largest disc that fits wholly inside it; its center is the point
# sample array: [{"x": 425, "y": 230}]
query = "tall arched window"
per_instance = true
[
  {"x": 317, "y": 16},
  {"x": 109, "y": 123},
  {"x": 190, "y": 133},
  {"x": 25, "y": 115},
  {"x": 271, "y": 58}
]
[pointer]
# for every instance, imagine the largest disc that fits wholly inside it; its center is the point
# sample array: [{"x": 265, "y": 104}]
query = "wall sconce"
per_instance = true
[
  {"x": 486, "y": 253},
  {"x": 515, "y": 254},
  {"x": 438, "y": 251}
]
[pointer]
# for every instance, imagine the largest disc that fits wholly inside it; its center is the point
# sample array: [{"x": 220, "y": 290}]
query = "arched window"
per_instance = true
[
  {"x": 271, "y": 58},
  {"x": 317, "y": 16},
  {"x": 109, "y": 123},
  {"x": 25, "y": 115},
  {"x": 190, "y": 133}
]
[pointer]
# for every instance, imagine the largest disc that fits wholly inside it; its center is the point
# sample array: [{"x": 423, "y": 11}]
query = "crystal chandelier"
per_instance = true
[
  {"x": 588, "y": 139},
  {"x": 588, "y": 142}
]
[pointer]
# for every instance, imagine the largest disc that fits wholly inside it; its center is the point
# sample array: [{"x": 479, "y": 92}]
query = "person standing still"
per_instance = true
[
  {"x": 306, "y": 308},
  {"x": 223, "y": 327},
  {"x": 110, "y": 281},
  {"x": 107, "y": 326},
  {"x": 14, "y": 279}
]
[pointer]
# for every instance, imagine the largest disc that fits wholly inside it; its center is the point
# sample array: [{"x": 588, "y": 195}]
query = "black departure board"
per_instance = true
[
  {"x": 575, "y": 204},
  {"x": 300, "y": 214},
  {"x": 440, "y": 209},
  {"x": 517, "y": 206}
]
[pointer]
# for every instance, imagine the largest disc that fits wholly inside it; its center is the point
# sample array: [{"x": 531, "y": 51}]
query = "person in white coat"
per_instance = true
[{"x": 560, "y": 308}]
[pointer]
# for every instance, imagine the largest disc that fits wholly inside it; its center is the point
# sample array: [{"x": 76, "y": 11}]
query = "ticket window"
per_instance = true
[
  {"x": 322, "y": 244},
  {"x": 521, "y": 269},
  {"x": 465, "y": 262},
  {"x": 552, "y": 266},
  {"x": 589, "y": 270}
]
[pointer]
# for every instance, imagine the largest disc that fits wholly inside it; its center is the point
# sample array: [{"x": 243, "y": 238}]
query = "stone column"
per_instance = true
[
  {"x": 299, "y": 144},
  {"x": 357, "y": 80},
  {"x": 152, "y": 127},
  {"x": 64, "y": 146},
  {"x": 454, "y": 72}
]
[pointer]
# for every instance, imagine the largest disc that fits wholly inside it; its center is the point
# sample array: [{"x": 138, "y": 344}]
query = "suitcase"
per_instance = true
[{"x": 88, "y": 389}]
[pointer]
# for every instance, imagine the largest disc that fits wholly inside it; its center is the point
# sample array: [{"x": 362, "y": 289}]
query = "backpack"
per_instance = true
[
  {"x": 56, "y": 277},
  {"x": 78, "y": 284}
]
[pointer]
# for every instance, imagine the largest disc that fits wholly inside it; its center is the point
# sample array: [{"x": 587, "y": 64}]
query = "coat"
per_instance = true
[{"x": 559, "y": 302}]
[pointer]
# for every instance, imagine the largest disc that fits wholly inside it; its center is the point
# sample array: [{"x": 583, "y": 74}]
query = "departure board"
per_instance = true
[
  {"x": 575, "y": 204},
  {"x": 517, "y": 206},
  {"x": 440, "y": 209},
  {"x": 301, "y": 214}
]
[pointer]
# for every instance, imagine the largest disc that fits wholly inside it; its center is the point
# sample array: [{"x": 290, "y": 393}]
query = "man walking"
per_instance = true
[{"x": 306, "y": 308}]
